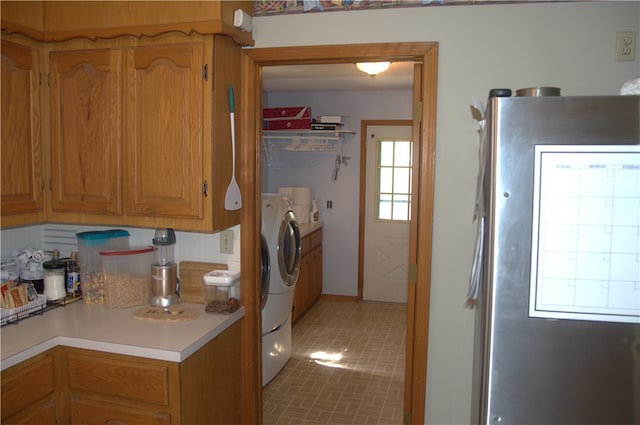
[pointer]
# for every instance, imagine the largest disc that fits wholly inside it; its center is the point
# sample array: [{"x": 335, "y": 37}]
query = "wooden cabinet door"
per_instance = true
[
  {"x": 43, "y": 413},
  {"x": 316, "y": 273},
  {"x": 302, "y": 290},
  {"x": 164, "y": 90},
  {"x": 86, "y": 139},
  {"x": 28, "y": 391},
  {"x": 87, "y": 411},
  {"x": 22, "y": 156}
]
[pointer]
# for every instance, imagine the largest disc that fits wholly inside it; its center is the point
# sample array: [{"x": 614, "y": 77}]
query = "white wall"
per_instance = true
[
  {"x": 340, "y": 231},
  {"x": 568, "y": 45}
]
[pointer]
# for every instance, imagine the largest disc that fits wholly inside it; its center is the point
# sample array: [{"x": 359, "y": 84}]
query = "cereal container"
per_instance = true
[
  {"x": 127, "y": 280},
  {"x": 90, "y": 244}
]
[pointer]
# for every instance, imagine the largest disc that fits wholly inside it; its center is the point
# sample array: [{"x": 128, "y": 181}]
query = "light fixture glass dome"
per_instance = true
[{"x": 373, "y": 68}]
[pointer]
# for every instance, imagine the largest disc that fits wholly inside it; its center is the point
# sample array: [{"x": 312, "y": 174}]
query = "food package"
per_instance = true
[{"x": 14, "y": 295}]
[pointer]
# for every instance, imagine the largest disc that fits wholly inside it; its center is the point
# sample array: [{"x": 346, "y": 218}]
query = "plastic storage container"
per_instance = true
[
  {"x": 127, "y": 276},
  {"x": 221, "y": 291},
  {"x": 90, "y": 244}
]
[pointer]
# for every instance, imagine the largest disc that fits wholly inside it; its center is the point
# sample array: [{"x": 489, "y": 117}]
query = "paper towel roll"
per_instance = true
[
  {"x": 302, "y": 196},
  {"x": 286, "y": 190},
  {"x": 301, "y": 212}
]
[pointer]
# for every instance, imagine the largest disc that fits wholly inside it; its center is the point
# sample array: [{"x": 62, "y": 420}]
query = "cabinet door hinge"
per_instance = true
[
  {"x": 407, "y": 419},
  {"x": 39, "y": 78},
  {"x": 413, "y": 273},
  {"x": 205, "y": 188},
  {"x": 205, "y": 72}
]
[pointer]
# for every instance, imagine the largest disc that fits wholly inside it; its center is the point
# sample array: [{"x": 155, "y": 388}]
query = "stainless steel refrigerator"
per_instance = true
[{"x": 557, "y": 330}]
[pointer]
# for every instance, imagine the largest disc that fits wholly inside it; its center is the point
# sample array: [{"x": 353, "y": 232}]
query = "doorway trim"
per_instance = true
[{"x": 425, "y": 56}]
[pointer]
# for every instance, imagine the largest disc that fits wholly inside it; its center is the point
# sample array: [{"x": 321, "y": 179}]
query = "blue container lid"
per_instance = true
[{"x": 96, "y": 237}]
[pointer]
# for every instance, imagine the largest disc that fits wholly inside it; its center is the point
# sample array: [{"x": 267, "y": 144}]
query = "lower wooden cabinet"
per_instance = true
[
  {"x": 29, "y": 391},
  {"x": 115, "y": 389},
  {"x": 39, "y": 414},
  {"x": 78, "y": 386},
  {"x": 87, "y": 411},
  {"x": 309, "y": 285}
]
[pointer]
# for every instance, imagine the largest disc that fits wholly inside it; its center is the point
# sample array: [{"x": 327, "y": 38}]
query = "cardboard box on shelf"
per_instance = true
[
  {"x": 286, "y": 112},
  {"x": 290, "y": 124},
  {"x": 287, "y": 118}
]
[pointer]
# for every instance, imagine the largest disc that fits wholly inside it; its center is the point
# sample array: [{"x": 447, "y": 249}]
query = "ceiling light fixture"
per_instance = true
[{"x": 373, "y": 68}]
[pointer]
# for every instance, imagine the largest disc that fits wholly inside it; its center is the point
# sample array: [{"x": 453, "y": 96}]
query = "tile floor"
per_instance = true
[{"x": 347, "y": 367}]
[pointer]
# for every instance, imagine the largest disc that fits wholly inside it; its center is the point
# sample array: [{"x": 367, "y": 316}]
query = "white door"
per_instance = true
[{"x": 386, "y": 228}]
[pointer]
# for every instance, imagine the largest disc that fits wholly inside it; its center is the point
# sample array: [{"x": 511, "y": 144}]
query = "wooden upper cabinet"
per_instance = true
[
  {"x": 86, "y": 139},
  {"x": 21, "y": 149},
  {"x": 137, "y": 131},
  {"x": 65, "y": 20},
  {"x": 164, "y": 98}
]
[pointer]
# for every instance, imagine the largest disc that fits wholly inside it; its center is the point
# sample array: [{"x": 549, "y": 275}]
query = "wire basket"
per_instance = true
[{"x": 13, "y": 315}]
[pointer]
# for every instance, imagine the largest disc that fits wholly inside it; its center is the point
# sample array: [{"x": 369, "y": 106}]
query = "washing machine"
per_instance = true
[
  {"x": 282, "y": 234},
  {"x": 265, "y": 271}
]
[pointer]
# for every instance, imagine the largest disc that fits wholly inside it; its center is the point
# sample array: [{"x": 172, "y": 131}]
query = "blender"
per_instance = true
[{"x": 165, "y": 286}]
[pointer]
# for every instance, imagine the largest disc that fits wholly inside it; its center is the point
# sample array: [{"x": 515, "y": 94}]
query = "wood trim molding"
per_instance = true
[
  {"x": 249, "y": 121},
  {"x": 425, "y": 53},
  {"x": 65, "y": 20}
]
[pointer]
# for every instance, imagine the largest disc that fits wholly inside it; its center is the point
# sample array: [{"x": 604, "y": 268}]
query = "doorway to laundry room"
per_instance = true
[
  {"x": 327, "y": 339},
  {"x": 422, "y": 101}
]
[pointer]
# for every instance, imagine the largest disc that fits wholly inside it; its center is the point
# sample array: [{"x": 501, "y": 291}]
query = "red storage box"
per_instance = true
[
  {"x": 285, "y": 113},
  {"x": 289, "y": 124},
  {"x": 288, "y": 118}
]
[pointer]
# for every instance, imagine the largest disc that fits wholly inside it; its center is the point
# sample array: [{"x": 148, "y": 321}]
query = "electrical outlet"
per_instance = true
[
  {"x": 226, "y": 242},
  {"x": 626, "y": 45}
]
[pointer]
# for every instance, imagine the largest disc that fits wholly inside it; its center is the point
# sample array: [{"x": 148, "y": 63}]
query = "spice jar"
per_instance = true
[
  {"x": 73, "y": 276},
  {"x": 54, "y": 277}
]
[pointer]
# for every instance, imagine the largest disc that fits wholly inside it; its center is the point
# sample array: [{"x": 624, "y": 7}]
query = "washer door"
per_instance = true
[
  {"x": 289, "y": 249},
  {"x": 265, "y": 271}
]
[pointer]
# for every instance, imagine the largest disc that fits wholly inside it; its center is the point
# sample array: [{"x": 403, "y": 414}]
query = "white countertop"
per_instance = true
[
  {"x": 95, "y": 327},
  {"x": 308, "y": 228}
]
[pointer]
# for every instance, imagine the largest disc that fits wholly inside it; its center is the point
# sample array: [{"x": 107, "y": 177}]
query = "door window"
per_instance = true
[{"x": 393, "y": 183}]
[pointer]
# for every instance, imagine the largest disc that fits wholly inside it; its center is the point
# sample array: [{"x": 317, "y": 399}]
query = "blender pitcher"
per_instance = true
[{"x": 165, "y": 286}]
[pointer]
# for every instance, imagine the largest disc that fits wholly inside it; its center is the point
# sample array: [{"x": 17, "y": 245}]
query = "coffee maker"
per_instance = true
[{"x": 165, "y": 287}]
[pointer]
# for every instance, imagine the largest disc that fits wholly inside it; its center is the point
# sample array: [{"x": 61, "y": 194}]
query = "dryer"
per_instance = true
[{"x": 282, "y": 234}]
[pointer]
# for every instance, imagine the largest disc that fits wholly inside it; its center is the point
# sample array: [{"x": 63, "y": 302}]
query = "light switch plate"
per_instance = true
[{"x": 226, "y": 242}]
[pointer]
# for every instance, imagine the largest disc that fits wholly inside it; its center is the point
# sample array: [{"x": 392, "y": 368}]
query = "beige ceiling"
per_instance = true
[{"x": 335, "y": 77}]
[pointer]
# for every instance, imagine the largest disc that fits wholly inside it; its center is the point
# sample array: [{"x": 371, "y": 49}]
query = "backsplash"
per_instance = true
[{"x": 189, "y": 246}]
